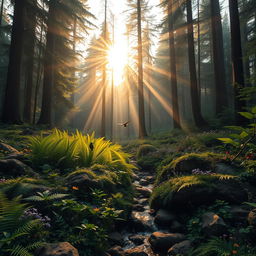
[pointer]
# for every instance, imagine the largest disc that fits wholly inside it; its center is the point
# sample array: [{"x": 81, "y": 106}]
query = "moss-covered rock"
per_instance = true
[
  {"x": 144, "y": 150},
  {"x": 185, "y": 164},
  {"x": 188, "y": 192}
]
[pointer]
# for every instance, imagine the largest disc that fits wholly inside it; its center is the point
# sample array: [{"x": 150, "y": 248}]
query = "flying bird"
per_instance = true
[{"x": 124, "y": 124}]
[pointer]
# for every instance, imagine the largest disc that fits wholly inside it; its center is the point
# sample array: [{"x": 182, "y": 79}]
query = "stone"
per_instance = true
[
  {"x": 9, "y": 149},
  {"x": 14, "y": 167},
  {"x": 116, "y": 251},
  {"x": 238, "y": 214},
  {"x": 115, "y": 238},
  {"x": 164, "y": 218},
  {"x": 213, "y": 225},
  {"x": 137, "y": 239},
  {"x": 224, "y": 168},
  {"x": 176, "y": 227},
  {"x": 138, "y": 207},
  {"x": 145, "y": 192},
  {"x": 137, "y": 251},
  {"x": 181, "y": 248},
  {"x": 144, "y": 182},
  {"x": 142, "y": 221},
  {"x": 252, "y": 218},
  {"x": 58, "y": 249},
  {"x": 161, "y": 242}
]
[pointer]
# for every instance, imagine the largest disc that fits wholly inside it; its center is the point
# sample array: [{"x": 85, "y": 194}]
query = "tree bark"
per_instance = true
[
  {"x": 196, "y": 108},
  {"x": 173, "y": 71},
  {"x": 218, "y": 57},
  {"x": 11, "y": 109},
  {"x": 46, "y": 116},
  {"x": 1, "y": 12},
  {"x": 142, "y": 126},
  {"x": 31, "y": 40},
  {"x": 237, "y": 58}
]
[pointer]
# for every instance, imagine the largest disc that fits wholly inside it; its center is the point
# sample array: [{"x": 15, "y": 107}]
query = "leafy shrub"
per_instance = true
[
  {"x": 62, "y": 150},
  {"x": 19, "y": 236}
]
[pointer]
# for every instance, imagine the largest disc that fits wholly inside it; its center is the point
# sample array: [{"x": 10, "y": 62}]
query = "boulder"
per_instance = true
[
  {"x": 163, "y": 241},
  {"x": 58, "y": 249},
  {"x": 137, "y": 251},
  {"x": 14, "y": 167},
  {"x": 164, "y": 218},
  {"x": 213, "y": 225},
  {"x": 138, "y": 207},
  {"x": 137, "y": 239},
  {"x": 116, "y": 251},
  {"x": 181, "y": 248}
]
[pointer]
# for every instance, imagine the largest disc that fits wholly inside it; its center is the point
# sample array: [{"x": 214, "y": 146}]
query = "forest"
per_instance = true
[{"x": 127, "y": 127}]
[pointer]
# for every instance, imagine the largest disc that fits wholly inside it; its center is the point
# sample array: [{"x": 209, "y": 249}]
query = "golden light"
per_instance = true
[{"x": 117, "y": 60}]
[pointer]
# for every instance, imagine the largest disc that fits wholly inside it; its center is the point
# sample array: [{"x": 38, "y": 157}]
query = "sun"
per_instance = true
[{"x": 117, "y": 60}]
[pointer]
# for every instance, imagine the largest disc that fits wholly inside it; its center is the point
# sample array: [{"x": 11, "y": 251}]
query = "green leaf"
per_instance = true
[
  {"x": 243, "y": 134},
  {"x": 254, "y": 110},
  {"x": 226, "y": 140},
  {"x": 236, "y": 128},
  {"x": 246, "y": 115}
]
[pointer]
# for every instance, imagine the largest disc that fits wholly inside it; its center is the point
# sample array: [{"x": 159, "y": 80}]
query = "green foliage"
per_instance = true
[
  {"x": 46, "y": 196},
  {"x": 219, "y": 247},
  {"x": 243, "y": 139},
  {"x": 67, "y": 151},
  {"x": 144, "y": 149},
  {"x": 194, "y": 224},
  {"x": 17, "y": 233}
]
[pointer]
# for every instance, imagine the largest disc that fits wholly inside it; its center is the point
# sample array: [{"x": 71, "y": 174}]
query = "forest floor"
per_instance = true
[{"x": 185, "y": 196}]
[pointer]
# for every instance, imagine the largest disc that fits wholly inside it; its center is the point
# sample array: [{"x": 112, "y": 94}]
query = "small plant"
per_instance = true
[
  {"x": 62, "y": 150},
  {"x": 46, "y": 196},
  {"x": 243, "y": 140},
  {"x": 19, "y": 234}
]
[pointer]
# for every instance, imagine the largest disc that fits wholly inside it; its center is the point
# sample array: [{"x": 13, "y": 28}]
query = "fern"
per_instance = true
[
  {"x": 46, "y": 196},
  {"x": 77, "y": 150},
  {"x": 218, "y": 247},
  {"x": 16, "y": 231}
]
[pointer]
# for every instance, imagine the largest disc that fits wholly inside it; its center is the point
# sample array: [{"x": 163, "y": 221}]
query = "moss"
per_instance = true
[
  {"x": 144, "y": 150},
  {"x": 186, "y": 163}
]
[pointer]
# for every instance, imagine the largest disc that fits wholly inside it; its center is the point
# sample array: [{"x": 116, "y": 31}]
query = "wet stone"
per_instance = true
[{"x": 137, "y": 239}]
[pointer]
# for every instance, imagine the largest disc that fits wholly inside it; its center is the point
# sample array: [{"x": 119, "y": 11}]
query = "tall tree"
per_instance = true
[
  {"x": 173, "y": 72},
  {"x": 104, "y": 76},
  {"x": 142, "y": 126},
  {"x": 30, "y": 49},
  {"x": 196, "y": 108},
  {"x": 237, "y": 56},
  {"x": 11, "y": 110},
  {"x": 1, "y": 12},
  {"x": 218, "y": 57},
  {"x": 48, "y": 82}
]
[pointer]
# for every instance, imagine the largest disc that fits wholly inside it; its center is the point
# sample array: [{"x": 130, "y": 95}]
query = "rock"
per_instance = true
[
  {"x": 164, "y": 218},
  {"x": 142, "y": 221},
  {"x": 145, "y": 192},
  {"x": 14, "y": 167},
  {"x": 137, "y": 239},
  {"x": 224, "y": 168},
  {"x": 190, "y": 197},
  {"x": 58, "y": 249},
  {"x": 116, "y": 251},
  {"x": 144, "y": 182},
  {"x": 143, "y": 201},
  {"x": 181, "y": 248},
  {"x": 8, "y": 148},
  {"x": 252, "y": 218},
  {"x": 163, "y": 241},
  {"x": 115, "y": 238},
  {"x": 138, "y": 207},
  {"x": 213, "y": 225},
  {"x": 137, "y": 251}
]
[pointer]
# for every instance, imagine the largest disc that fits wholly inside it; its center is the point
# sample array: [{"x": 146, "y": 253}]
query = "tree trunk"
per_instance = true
[
  {"x": 103, "y": 107},
  {"x": 31, "y": 39},
  {"x": 237, "y": 58},
  {"x": 11, "y": 109},
  {"x": 142, "y": 126},
  {"x": 1, "y": 12},
  {"x": 196, "y": 108},
  {"x": 173, "y": 72},
  {"x": 46, "y": 116},
  {"x": 218, "y": 57}
]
